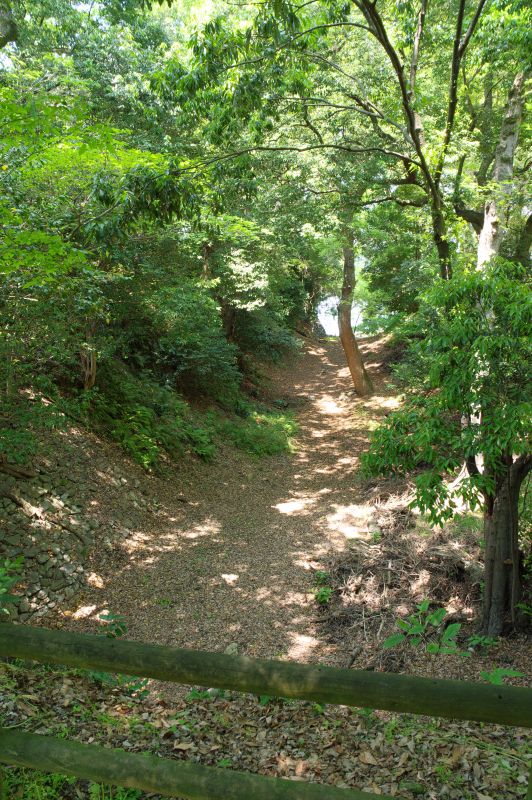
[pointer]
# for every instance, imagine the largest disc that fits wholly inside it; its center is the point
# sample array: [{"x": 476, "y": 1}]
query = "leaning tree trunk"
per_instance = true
[
  {"x": 361, "y": 379},
  {"x": 502, "y": 585}
]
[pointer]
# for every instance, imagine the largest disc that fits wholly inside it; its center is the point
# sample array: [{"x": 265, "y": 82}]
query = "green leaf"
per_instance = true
[
  {"x": 393, "y": 641},
  {"x": 437, "y": 616},
  {"x": 451, "y": 632}
]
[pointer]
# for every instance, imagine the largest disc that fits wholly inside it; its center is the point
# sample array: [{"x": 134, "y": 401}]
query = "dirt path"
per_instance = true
[{"x": 234, "y": 563}]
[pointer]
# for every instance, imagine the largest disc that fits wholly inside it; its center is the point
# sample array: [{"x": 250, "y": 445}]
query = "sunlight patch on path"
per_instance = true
[
  {"x": 302, "y": 646},
  {"x": 351, "y": 521},
  {"x": 328, "y": 405},
  {"x": 379, "y": 402},
  {"x": 209, "y": 527},
  {"x": 295, "y": 506}
]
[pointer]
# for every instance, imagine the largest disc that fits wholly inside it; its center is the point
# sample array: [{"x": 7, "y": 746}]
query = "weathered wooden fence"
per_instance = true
[{"x": 464, "y": 700}]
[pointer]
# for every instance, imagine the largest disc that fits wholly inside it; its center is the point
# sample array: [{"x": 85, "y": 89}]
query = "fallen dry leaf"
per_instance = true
[{"x": 366, "y": 757}]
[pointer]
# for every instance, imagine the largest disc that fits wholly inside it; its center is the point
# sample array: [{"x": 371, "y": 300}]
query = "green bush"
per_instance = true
[
  {"x": 260, "y": 334},
  {"x": 191, "y": 342},
  {"x": 145, "y": 417}
]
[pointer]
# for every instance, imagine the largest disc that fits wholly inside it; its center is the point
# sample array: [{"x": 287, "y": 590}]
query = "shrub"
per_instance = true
[
  {"x": 192, "y": 343},
  {"x": 260, "y": 334},
  {"x": 146, "y": 417}
]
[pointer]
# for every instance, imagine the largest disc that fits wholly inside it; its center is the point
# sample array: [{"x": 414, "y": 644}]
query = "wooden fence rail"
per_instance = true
[
  {"x": 506, "y": 705},
  {"x": 151, "y": 774}
]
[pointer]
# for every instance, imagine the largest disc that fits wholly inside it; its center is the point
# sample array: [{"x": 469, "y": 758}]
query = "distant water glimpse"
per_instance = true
[{"x": 328, "y": 316}]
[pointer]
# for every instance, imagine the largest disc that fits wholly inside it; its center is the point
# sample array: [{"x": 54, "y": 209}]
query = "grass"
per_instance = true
[
  {"x": 27, "y": 784},
  {"x": 260, "y": 433}
]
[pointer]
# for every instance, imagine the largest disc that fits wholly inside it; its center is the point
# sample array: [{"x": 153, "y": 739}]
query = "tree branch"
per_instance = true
[
  {"x": 475, "y": 218},
  {"x": 320, "y": 102},
  {"x": 459, "y": 47},
  {"x": 471, "y": 28},
  {"x": 284, "y": 45},
  {"x": 378, "y": 30},
  {"x": 416, "y": 47},
  {"x": 292, "y": 149},
  {"x": 311, "y": 125},
  {"x": 453, "y": 92},
  {"x": 390, "y": 198}
]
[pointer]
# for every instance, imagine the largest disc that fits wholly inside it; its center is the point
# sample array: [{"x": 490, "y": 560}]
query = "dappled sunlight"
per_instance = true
[
  {"x": 230, "y": 579},
  {"x": 83, "y": 612},
  {"x": 327, "y": 405},
  {"x": 302, "y": 646},
  {"x": 293, "y": 599},
  {"x": 231, "y": 555},
  {"x": 420, "y": 585},
  {"x": 295, "y": 506},
  {"x": 347, "y": 461},
  {"x": 351, "y": 521},
  {"x": 209, "y": 527},
  {"x": 95, "y": 580},
  {"x": 380, "y": 403}
]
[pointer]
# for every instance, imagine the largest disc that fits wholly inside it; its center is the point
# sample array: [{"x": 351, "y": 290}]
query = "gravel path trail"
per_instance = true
[{"x": 230, "y": 555}]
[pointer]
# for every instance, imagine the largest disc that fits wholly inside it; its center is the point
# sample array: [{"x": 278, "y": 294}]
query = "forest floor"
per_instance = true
[{"x": 225, "y": 556}]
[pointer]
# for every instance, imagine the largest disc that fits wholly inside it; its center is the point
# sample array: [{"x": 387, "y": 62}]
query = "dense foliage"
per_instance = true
[
  {"x": 469, "y": 393},
  {"x": 130, "y": 281}
]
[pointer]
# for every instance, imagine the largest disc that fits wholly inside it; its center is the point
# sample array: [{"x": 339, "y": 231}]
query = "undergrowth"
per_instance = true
[
  {"x": 148, "y": 419},
  {"x": 261, "y": 433},
  {"x": 28, "y": 784}
]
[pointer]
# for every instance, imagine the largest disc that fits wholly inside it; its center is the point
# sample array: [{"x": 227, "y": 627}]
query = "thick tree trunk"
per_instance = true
[
  {"x": 8, "y": 28},
  {"x": 491, "y": 235},
  {"x": 502, "y": 577},
  {"x": 502, "y": 585},
  {"x": 228, "y": 320},
  {"x": 361, "y": 379}
]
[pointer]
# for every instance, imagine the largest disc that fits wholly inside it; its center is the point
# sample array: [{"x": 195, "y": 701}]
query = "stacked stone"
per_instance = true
[{"x": 40, "y": 521}]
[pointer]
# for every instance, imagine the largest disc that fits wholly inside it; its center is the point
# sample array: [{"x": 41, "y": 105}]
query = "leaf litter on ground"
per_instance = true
[{"x": 398, "y": 755}]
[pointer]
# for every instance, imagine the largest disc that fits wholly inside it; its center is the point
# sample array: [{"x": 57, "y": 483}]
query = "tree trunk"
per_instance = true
[
  {"x": 502, "y": 587},
  {"x": 361, "y": 379},
  {"x": 439, "y": 232},
  {"x": 88, "y": 358},
  {"x": 228, "y": 320},
  {"x": 490, "y": 238},
  {"x": 502, "y": 579},
  {"x": 8, "y": 28}
]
